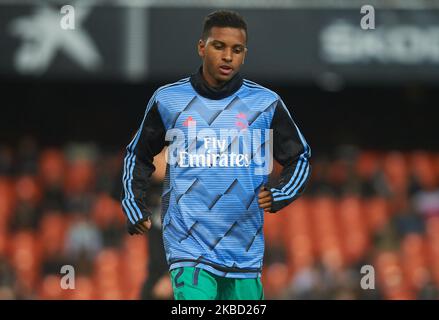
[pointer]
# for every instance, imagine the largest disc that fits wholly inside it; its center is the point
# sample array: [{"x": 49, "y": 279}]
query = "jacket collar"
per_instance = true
[{"x": 203, "y": 88}]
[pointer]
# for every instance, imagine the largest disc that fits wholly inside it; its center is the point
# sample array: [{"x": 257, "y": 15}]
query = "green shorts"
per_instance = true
[{"x": 190, "y": 283}]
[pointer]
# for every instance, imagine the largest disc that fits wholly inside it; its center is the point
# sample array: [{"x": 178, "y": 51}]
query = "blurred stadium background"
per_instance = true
[{"x": 365, "y": 100}]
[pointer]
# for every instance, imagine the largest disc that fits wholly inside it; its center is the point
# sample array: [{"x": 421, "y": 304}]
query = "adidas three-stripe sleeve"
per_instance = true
[
  {"x": 138, "y": 163},
  {"x": 291, "y": 150}
]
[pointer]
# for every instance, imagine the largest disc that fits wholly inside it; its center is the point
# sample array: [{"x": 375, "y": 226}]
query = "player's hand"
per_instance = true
[
  {"x": 265, "y": 199},
  {"x": 140, "y": 227}
]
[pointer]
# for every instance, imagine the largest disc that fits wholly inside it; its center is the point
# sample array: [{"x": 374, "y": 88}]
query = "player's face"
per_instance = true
[{"x": 223, "y": 53}]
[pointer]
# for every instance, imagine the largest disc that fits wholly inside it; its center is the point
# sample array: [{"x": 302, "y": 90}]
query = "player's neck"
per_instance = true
[{"x": 202, "y": 86}]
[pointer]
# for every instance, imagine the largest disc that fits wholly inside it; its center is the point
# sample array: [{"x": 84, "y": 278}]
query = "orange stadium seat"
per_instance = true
[
  {"x": 7, "y": 200},
  {"x": 295, "y": 220},
  {"x": 107, "y": 273},
  {"x": 84, "y": 289},
  {"x": 27, "y": 189},
  {"x": 367, "y": 164},
  {"x": 25, "y": 257},
  {"x": 273, "y": 227},
  {"x": 396, "y": 171},
  {"x": 52, "y": 232},
  {"x": 275, "y": 280},
  {"x": 376, "y": 213},
  {"x": 412, "y": 246},
  {"x": 325, "y": 226},
  {"x": 80, "y": 176},
  {"x": 3, "y": 240},
  {"x": 422, "y": 167},
  {"x": 105, "y": 210},
  {"x": 297, "y": 235},
  {"x": 50, "y": 288},
  {"x": 134, "y": 260},
  {"x": 353, "y": 229},
  {"x": 391, "y": 277},
  {"x": 51, "y": 166},
  {"x": 413, "y": 258}
]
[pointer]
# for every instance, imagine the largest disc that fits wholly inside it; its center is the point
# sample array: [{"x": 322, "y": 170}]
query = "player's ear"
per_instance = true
[
  {"x": 245, "y": 54},
  {"x": 201, "y": 47}
]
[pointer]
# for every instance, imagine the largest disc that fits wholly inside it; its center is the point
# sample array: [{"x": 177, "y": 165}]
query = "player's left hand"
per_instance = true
[
  {"x": 141, "y": 227},
  {"x": 265, "y": 199}
]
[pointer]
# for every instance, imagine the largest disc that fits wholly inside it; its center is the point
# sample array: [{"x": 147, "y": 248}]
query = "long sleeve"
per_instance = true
[
  {"x": 138, "y": 163},
  {"x": 291, "y": 150}
]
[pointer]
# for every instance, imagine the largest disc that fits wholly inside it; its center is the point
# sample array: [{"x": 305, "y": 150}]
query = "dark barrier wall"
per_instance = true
[
  {"x": 108, "y": 114},
  {"x": 158, "y": 44}
]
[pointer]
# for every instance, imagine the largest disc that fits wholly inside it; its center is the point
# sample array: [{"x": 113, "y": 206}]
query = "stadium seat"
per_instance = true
[
  {"x": 27, "y": 189},
  {"x": 104, "y": 211},
  {"x": 52, "y": 232},
  {"x": 422, "y": 167},
  {"x": 3, "y": 240},
  {"x": 295, "y": 220},
  {"x": 412, "y": 246},
  {"x": 7, "y": 200},
  {"x": 51, "y": 166},
  {"x": 80, "y": 176},
  {"x": 376, "y": 211},
  {"x": 50, "y": 288},
  {"x": 273, "y": 227},
  {"x": 84, "y": 289},
  {"x": 391, "y": 277},
  {"x": 276, "y": 280},
  {"x": 396, "y": 171},
  {"x": 367, "y": 164},
  {"x": 24, "y": 251}
]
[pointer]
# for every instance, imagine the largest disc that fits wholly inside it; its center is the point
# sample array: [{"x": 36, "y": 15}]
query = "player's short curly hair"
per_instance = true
[{"x": 223, "y": 18}]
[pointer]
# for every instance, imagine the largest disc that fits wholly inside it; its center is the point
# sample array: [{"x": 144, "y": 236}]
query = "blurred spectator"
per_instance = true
[
  {"x": 26, "y": 216},
  {"x": 83, "y": 243},
  {"x": 428, "y": 291},
  {"x": 27, "y": 156},
  {"x": 51, "y": 173},
  {"x": 70, "y": 199},
  {"x": 7, "y": 280},
  {"x": 6, "y": 161},
  {"x": 407, "y": 220},
  {"x": 427, "y": 202}
]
